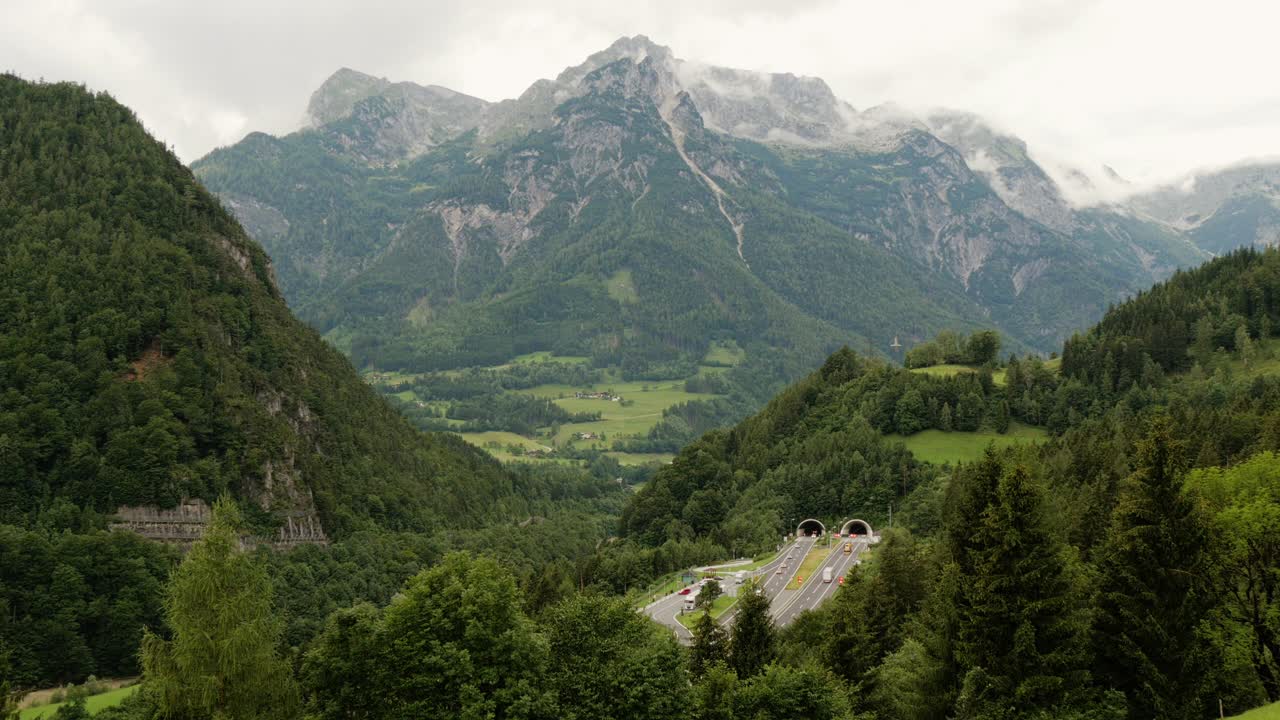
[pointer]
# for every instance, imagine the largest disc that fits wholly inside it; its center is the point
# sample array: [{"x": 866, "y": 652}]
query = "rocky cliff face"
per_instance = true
[
  {"x": 1003, "y": 162},
  {"x": 956, "y": 209}
]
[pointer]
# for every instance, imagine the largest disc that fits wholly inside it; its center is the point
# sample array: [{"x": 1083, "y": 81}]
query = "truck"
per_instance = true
[
  {"x": 826, "y": 575},
  {"x": 848, "y": 548},
  {"x": 739, "y": 577},
  {"x": 691, "y": 600}
]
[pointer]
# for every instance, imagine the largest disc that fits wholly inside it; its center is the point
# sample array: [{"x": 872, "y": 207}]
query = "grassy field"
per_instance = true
[
  {"x": 621, "y": 287},
  {"x": 495, "y": 442},
  {"x": 949, "y": 370},
  {"x": 387, "y": 377},
  {"x": 641, "y": 458},
  {"x": 545, "y": 356},
  {"x": 936, "y": 446},
  {"x": 1266, "y": 712},
  {"x": 812, "y": 564},
  {"x": 93, "y": 704},
  {"x": 1266, "y": 360},
  {"x": 724, "y": 353},
  {"x": 481, "y": 439},
  {"x": 646, "y": 401}
]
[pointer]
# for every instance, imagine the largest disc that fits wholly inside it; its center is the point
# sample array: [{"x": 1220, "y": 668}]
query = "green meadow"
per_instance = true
[
  {"x": 1266, "y": 712},
  {"x": 93, "y": 704},
  {"x": 936, "y": 446},
  {"x": 639, "y": 410}
]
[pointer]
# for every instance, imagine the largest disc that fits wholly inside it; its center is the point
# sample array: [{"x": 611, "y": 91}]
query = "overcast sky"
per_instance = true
[{"x": 1152, "y": 88}]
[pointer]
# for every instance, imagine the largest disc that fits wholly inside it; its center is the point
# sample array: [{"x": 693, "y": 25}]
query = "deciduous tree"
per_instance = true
[{"x": 223, "y": 659}]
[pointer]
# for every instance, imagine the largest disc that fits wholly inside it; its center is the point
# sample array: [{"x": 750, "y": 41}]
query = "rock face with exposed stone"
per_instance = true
[
  {"x": 466, "y": 202},
  {"x": 184, "y": 524}
]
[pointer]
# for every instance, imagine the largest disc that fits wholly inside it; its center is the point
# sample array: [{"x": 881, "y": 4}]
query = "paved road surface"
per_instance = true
[{"x": 785, "y": 604}]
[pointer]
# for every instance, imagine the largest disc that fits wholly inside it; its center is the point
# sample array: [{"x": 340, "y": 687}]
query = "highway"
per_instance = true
[{"x": 785, "y": 604}]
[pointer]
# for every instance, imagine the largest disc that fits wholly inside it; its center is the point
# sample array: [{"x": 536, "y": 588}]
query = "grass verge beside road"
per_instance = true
[
  {"x": 718, "y": 608},
  {"x": 811, "y": 565}
]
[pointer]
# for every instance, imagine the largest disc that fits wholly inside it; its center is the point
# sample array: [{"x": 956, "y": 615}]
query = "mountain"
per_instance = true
[
  {"x": 1221, "y": 210},
  {"x": 639, "y": 206},
  {"x": 380, "y": 121},
  {"x": 147, "y": 356}
]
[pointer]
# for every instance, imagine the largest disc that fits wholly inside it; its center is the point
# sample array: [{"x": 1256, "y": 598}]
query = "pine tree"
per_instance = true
[
  {"x": 1021, "y": 635},
  {"x": 752, "y": 644},
  {"x": 710, "y": 645},
  {"x": 968, "y": 415},
  {"x": 944, "y": 418},
  {"x": 1001, "y": 420},
  {"x": 1152, "y": 600},
  {"x": 223, "y": 659}
]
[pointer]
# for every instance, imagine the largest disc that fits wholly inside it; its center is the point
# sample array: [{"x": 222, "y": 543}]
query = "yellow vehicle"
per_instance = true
[{"x": 848, "y": 548}]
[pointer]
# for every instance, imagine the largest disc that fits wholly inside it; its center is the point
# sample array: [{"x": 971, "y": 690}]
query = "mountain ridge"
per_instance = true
[{"x": 424, "y": 254}]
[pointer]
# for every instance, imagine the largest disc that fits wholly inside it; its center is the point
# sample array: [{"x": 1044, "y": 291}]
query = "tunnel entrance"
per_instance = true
[
  {"x": 810, "y": 527},
  {"x": 856, "y": 528}
]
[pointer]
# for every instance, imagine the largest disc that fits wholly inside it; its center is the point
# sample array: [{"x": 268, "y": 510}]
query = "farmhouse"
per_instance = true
[
  {"x": 581, "y": 395},
  {"x": 586, "y": 436}
]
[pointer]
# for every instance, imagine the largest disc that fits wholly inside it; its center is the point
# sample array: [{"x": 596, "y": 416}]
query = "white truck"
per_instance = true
[
  {"x": 826, "y": 575},
  {"x": 691, "y": 600},
  {"x": 739, "y": 577}
]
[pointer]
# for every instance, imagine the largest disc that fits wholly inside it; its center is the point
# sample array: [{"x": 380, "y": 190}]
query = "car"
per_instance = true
[
  {"x": 784, "y": 566},
  {"x": 778, "y": 571},
  {"x": 683, "y": 591}
]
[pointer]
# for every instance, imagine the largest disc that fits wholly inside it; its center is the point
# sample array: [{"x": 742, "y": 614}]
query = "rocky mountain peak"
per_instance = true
[
  {"x": 338, "y": 95},
  {"x": 636, "y": 49},
  {"x": 383, "y": 122}
]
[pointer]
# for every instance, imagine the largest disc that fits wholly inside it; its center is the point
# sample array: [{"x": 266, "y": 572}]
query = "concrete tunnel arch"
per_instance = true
[
  {"x": 810, "y": 524},
  {"x": 856, "y": 527}
]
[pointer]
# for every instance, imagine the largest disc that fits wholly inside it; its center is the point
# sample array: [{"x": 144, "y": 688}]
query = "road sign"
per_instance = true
[
  {"x": 799, "y": 579},
  {"x": 841, "y": 579}
]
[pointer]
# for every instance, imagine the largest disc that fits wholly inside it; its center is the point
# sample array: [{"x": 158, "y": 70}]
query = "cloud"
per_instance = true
[{"x": 1151, "y": 88}]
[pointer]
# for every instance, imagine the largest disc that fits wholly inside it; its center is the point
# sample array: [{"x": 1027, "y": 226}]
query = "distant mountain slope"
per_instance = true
[
  {"x": 147, "y": 356},
  {"x": 743, "y": 205},
  {"x": 1222, "y": 210}
]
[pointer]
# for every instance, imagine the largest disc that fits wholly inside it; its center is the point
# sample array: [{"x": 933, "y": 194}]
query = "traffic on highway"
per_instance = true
[{"x": 781, "y": 579}]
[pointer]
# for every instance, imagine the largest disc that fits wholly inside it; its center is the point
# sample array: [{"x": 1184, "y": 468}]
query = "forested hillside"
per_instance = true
[
  {"x": 1122, "y": 568},
  {"x": 146, "y": 357},
  {"x": 1134, "y": 551}
]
